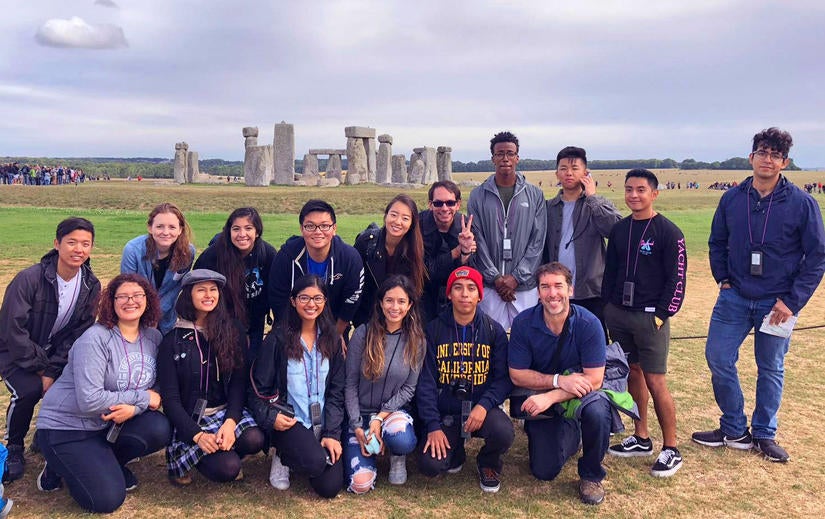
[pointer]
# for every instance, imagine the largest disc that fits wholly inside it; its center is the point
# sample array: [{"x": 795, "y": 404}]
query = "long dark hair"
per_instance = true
[
  {"x": 373, "y": 363},
  {"x": 231, "y": 263},
  {"x": 220, "y": 330},
  {"x": 328, "y": 339},
  {"x": 180, "y": 253},
  {"x": 106, "y": 314},
  {"x": 412, "y": 244}
]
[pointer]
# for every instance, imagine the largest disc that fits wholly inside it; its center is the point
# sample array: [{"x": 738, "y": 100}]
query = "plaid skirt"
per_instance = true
[{"x": 181, "y": 456}]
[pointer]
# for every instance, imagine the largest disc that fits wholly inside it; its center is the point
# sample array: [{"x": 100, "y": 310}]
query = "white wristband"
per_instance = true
[{"x": 556, "y": 381}]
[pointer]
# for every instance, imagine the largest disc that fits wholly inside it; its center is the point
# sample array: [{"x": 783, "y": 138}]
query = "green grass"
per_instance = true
[{"x": 712, "y": 482}]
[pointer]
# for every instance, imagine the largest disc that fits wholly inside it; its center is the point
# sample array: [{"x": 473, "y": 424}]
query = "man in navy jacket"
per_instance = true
[{"x": 767, "y": 253}]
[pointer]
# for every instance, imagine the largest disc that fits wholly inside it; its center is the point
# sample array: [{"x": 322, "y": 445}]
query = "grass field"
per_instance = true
[{"x": 712, "y": 482}]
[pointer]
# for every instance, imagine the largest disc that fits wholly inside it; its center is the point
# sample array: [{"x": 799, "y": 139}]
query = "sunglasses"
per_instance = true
[{"x": 442, "y": 203}]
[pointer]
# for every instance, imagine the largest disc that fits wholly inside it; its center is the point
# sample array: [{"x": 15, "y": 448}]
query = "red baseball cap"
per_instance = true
[{"x": 470, "y": 273}]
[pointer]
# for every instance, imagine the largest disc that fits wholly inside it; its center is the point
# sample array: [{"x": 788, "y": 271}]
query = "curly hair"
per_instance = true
[
  {"x": 181, "y": 255},
  {"x": 775, "y": 139},
  {"x": 328, "y": 339},
  {"x": 373, "y": 363},
  {"x": 219, "y": 329},
  {"x": 106, "y": 314},
  {"x": 502, "y": 137}
]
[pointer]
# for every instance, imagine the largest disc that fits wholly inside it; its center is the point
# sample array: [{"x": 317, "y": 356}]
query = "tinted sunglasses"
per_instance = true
[{"x": 442, "y": 203}]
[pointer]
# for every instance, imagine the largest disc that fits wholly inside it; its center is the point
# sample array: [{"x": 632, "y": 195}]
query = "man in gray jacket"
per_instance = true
[
  {"x": 578, "y": 222},
  {"x": 509, "y": 225}
]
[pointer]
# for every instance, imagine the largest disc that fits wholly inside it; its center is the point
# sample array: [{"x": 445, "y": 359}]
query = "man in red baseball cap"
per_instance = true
[{"x": 463, "y": 382}]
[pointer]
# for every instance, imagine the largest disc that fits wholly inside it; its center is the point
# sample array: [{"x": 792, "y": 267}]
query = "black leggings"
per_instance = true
[
  {"x": 225, "y": 466},
  {"x": 301, "y": 452},
  {"x": 92, "y": 467}
]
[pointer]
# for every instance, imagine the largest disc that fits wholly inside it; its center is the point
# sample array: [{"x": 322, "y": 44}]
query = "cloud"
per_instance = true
[
  {"x": 76, "y": 33},
  {"x": 106, "y": 3}
]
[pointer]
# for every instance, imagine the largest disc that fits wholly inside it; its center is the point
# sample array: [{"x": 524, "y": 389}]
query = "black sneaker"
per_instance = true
[
  {"x": 667, "y": 464},
  {"x": 488, "y": 479},
  {"x": 717, "y": 438},
  {"x": 48, "y": 480},
  {"x": 130, "y": 479},
  {"x": 632, "y": 446},
  {"x": 15, "y": 463},
  {"x": 771, "y": 450}
]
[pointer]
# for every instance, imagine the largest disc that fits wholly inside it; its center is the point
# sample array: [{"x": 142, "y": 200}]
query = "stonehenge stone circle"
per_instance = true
[
  {"x": 181, "y": 149},
  {"x": 383, "y": 168},
  {"x": 356, "y": 161},
  {"x": 257, "y": 165},
  {"x": 445, "y": 163},
  {"x": 192, "y": 169},
  {"x": 250, "y": 134},
  {"x": 334, "y": 167},
  {"x": 399, "y": 169},
  {"x": 283, "y": 153},
  {"x": 416, "y": 171}
]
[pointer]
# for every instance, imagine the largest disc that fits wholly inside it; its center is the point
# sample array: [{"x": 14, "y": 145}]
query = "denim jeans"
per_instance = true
[
  {"x": 400, "y": 440},
  {"x": 733, "y": 318}
]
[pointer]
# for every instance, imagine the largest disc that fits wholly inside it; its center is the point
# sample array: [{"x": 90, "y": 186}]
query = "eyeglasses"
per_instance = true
[
  {"x": 442, "y": 203},
  {"x": 305, "y": 299},
  {"x": 311, "y": 227},
  {"x": 774, "y": 155},
  {"x": 500, "y": 155},
  {"x": 123, "y": 298}
]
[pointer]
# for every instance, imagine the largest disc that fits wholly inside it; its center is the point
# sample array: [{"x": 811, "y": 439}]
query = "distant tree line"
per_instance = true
[{"x": 164, "y": 168}]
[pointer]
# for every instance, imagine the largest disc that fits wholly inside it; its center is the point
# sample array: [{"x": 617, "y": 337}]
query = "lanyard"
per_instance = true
[
  {"x": 129, "y": 364},
  {"x": 204, "y": 389},
  {"x": 317, "y": 364},
  {"x": 464, "y": 341},
  {"x": 748, "y": 215},
  {"x": 629, "y": 237}
]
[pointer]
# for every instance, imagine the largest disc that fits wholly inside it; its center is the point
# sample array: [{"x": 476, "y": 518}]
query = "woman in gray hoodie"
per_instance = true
[
  {"x": 384, "y": 359},
  {"x": 102, "y": 411}
]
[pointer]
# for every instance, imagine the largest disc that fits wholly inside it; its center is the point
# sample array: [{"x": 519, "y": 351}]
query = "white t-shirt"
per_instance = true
[{"x": 67, "y": 293}]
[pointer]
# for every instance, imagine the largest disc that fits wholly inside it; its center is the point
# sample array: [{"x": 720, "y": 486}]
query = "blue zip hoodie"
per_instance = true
[{"x": 793, "y": 251}]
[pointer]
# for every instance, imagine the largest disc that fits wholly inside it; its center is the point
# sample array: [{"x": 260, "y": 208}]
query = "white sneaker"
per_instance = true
[
  {"x": 398, "y": 469},
  {"x": 278, "y": 474}
]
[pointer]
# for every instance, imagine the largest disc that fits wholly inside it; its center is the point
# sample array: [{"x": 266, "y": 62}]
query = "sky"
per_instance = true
[{"x": 623, "y": 79}]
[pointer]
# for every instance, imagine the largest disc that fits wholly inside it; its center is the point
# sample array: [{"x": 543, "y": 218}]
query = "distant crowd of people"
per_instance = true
[
  {"x": 396, "y": 345},
  {"x": 40, "y": 175}
]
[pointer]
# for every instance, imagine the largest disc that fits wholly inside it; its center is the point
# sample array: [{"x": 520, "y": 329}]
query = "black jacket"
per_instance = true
[
  {"x": 179, "y": 372},
  {"x": 439, "y": 262},
  {"x": 268, "y": 378},
  {"x": 485, "y": 366},
  {"x": 344, "y": 282},
  {"x": 28, "y": 313}
]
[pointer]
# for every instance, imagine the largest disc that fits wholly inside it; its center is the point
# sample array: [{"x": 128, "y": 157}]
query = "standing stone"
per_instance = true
[
  {"x": 415, "y": 155},
  {"x": 359, "y": 132},
  {"x": 192, "y": 168},
  {"x": 250, "y": 134},
  {"x": 356, "y": 161},
  {"x": 416, "y": 171},
  {"x": 283, "y": 153},
  {"x": 399, "y": 169},
  {"x": 382, "y": 165},
  {"x": 310, "y": 165},
  {"x": 334, "y": 167},
  {"x": 257, "y": 165},
  {"x": 428, "y": 155},
  {"x": 369, "y": 147},
  {"x": 180, "y": 162},
  {"x": 445, "y": 163}
]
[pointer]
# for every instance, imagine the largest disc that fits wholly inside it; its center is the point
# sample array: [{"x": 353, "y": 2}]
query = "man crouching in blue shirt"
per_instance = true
[{"x": 558, "y": 350}]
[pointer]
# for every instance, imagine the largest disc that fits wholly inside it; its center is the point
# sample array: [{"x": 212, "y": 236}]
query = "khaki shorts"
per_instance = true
[{"x": 640, "y": 339}]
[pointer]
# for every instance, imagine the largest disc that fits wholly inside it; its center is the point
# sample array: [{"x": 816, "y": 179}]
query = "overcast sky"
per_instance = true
[{"x": 623, "y": 79}]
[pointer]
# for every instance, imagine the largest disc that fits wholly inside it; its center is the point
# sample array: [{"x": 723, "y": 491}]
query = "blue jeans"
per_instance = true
[
  {"x": 733, "y": 318},
  {"x": 399, "y": 439}
]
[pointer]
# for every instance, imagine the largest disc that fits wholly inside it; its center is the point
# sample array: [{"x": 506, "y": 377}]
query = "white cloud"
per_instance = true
[{"x": 77, "y": 33}]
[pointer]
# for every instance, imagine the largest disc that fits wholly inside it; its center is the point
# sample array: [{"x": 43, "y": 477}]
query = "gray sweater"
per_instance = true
[
  {"x": 103, "y": 370},
  {"x": 391, "y": 391}
]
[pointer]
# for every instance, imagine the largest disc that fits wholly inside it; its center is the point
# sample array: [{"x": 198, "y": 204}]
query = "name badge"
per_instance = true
[
  {"x": 756, "y": 263},
  {"x": 507, "y": 249}
]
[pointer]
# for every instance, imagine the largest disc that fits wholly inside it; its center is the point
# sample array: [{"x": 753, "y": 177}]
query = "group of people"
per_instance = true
[
  {"x": 398, "y": 344},
  {"x": 39, "y": 175}
]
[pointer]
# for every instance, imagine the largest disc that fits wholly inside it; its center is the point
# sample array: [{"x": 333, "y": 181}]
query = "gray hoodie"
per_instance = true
[
  {"x": 391, "y": 391},
  {"x": 103, "y": 370}
]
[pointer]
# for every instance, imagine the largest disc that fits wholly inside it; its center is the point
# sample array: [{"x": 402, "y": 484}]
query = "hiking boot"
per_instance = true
[
  {"x": 48, "y": 480},
  {"x": 771, "y": 450},
  {"x": 180, "y": 481},
  {"x": 717, "y": 438},
  {"x": 130, "y": 479},
  {"x": 488, "y": 479},
  {"x": 667, "y": 464},
  {"x": 278, "y": 474},
  {"x": 632, "y": 446},
  {"x": 15, "y": 463},
  {"x": 398, "y": 469},
  {"x": 591, "y": 492}
]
